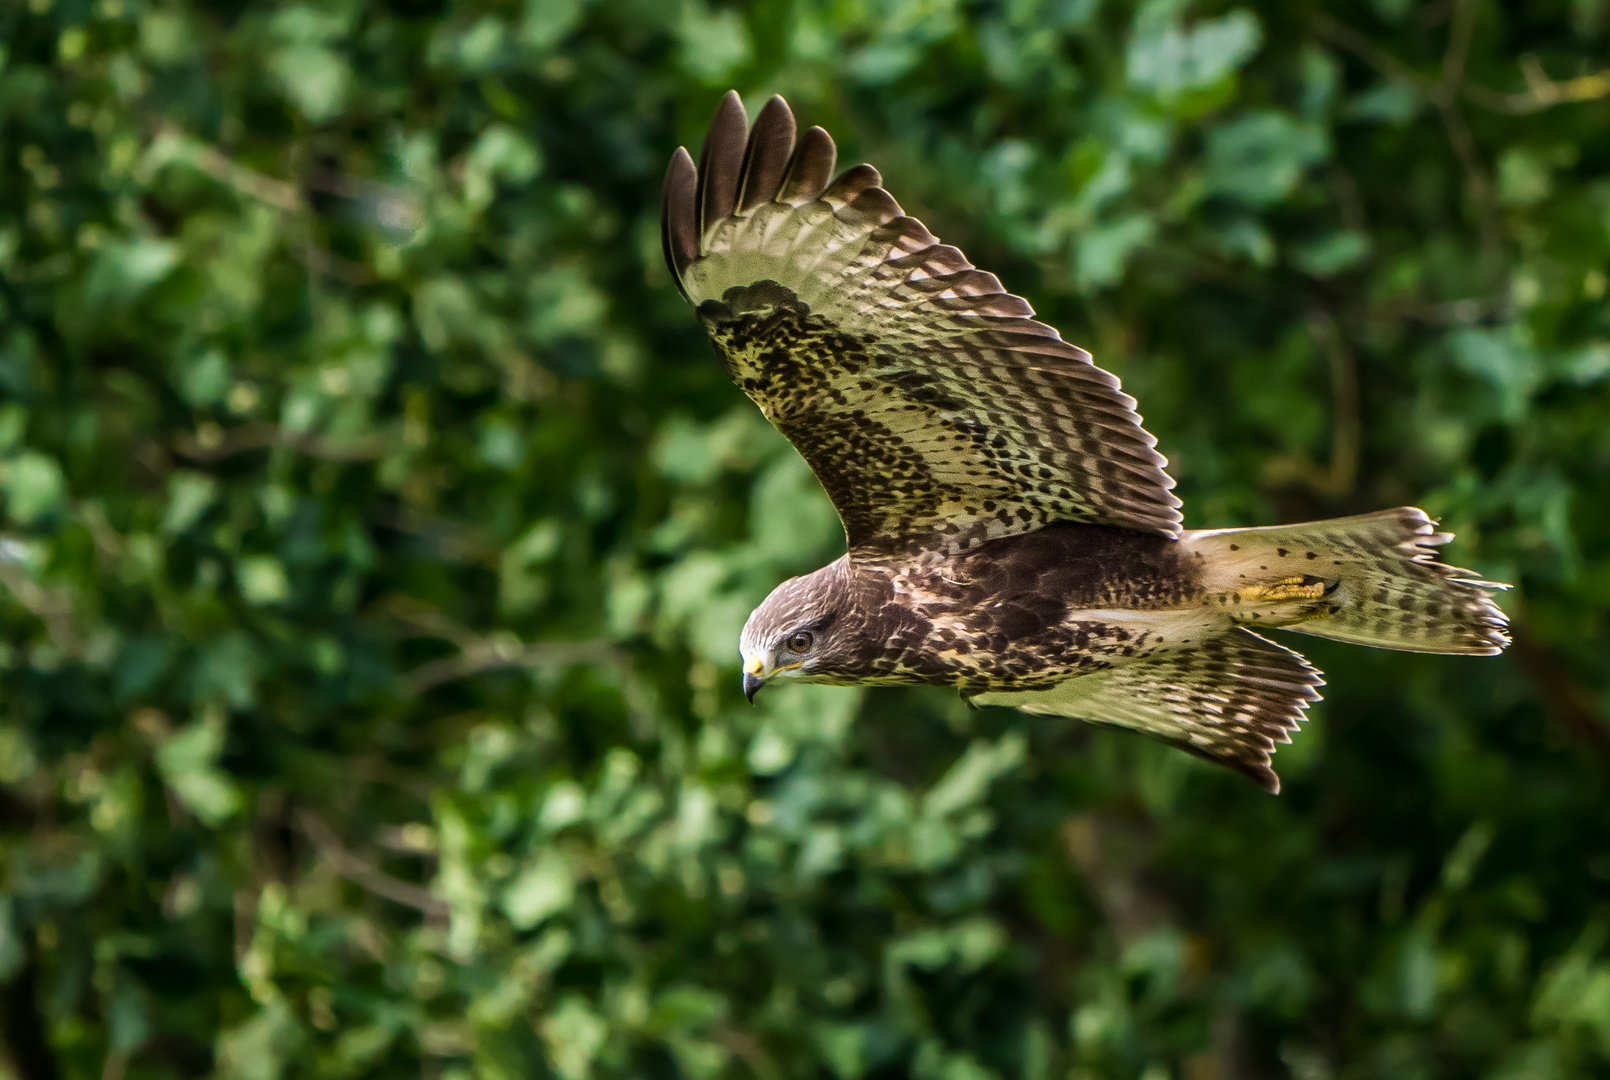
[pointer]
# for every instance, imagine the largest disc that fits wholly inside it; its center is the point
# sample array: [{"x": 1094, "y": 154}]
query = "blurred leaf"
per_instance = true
[
  {"x": 1387, "y": 102},
  {"x": 314, "y": 76},
  {"x": 188, "y": 760},
  {"x": 1104, "y": 251},
  {"x": 262, "y": 579},
  {"x": 33, "y": 486},
  {"x": 714, "y": 43},
  {"x": 541, "y": 889},
  {"x": 1331, "y": 254},
  {"x": 1169, "y": 59},
  {"x": 1259, "y": 158}
]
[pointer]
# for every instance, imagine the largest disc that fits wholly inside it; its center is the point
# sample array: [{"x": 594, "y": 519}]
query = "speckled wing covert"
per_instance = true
[
  {"x": 1229, "y": 699},
  {"x": 935, "y": 411}
]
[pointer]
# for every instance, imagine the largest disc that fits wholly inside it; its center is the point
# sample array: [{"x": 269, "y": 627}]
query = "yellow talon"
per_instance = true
[{"x": 1291, "y": 588}]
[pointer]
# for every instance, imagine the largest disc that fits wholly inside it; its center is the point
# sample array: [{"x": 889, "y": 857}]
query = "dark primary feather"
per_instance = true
[
  {"x": 810, "y": 169},
  {"x": 935, "y": 410},
  {"x": 679, "y": 226},
  {"x": 766, "y": 157},
  {"x": 720, "y": 162}
]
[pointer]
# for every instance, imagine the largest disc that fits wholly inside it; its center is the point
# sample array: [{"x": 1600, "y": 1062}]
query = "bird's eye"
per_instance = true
[{"x": 800, "y": 642}]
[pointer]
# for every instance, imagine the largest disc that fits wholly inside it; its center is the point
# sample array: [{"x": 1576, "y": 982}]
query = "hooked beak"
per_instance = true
[{"x": 754, "y": 676}]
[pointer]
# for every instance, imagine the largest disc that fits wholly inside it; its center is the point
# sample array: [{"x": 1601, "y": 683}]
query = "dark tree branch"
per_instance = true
[
  {"x": 1341, "y": 476},
  {"x": 215, "y": 444},
  {"x": 1569, "y": 703},
  {"x": 363, "y": 873},
  {"x": 1541, "y": 91},
  {"x": 21, "y": 1026},
  {"x": 1444, "y": 96}
]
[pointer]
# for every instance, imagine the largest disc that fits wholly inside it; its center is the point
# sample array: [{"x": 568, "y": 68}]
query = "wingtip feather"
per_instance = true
[
  {"x": 771, "y": 144},
  {"x": 810, "y": 169},
  {"x": 721, "y": 162},
  {"x": 679, "y": 231}
]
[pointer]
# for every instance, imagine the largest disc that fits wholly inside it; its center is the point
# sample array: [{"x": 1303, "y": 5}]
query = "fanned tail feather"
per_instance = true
[{"x": 1375, "y": 575}]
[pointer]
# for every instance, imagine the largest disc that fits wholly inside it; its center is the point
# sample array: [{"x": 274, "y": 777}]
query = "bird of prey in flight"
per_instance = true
[{"x": 1011, "y": 529}]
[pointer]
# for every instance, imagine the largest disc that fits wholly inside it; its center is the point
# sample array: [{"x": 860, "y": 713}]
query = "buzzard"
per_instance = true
[{"x": 1011, "y": 529}]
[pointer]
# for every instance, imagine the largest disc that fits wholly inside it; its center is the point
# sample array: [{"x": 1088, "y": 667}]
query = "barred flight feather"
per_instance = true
[
  {"x": 936, "y": 412},
  {"x": 1232, "y": 700}
]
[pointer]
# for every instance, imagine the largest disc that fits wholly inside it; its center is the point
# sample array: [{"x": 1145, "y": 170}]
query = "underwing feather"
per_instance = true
[{"x": 1232, "y": 700}]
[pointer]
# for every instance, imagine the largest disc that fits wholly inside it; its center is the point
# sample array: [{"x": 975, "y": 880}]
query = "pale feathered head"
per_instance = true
[{"x": 797, "y": 632}]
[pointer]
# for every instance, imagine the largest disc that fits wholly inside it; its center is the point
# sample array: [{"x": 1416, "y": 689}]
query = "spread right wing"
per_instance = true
[{"x": 934, "y": 410}]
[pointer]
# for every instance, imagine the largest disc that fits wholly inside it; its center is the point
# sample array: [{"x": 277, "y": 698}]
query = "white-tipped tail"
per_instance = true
[{"x": 1371, "y": 579}]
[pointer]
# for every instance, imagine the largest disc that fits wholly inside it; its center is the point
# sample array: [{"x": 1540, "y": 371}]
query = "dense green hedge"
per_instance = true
[{"x": 377, "y": 529}]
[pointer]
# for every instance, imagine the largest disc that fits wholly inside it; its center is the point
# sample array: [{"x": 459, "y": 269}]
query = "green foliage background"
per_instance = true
[{"x": 377, "y": 529}]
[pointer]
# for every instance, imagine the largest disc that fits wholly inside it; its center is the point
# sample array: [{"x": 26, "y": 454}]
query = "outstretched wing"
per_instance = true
[
  {"x": 935, "y": 411},
  {"x": 1230, "y": 699}
]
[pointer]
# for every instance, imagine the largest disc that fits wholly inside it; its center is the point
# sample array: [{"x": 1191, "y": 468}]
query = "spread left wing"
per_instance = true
[
  {"x": 935, "y": 411},
  {"x": 1231, "y": 699}
]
